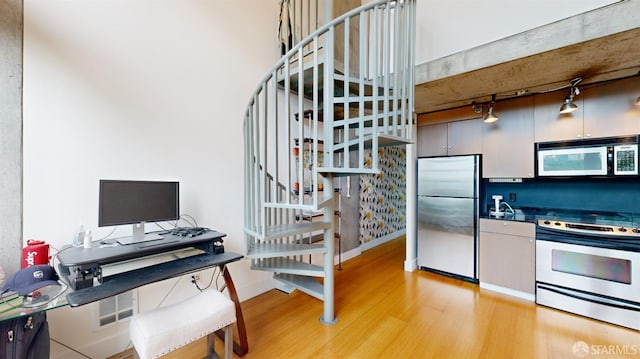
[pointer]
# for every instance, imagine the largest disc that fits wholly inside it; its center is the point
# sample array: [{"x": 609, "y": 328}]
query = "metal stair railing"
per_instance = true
[
  {"x": 345, "y": 101},
  {"x": 376, "y": 101},
  {"x": 298, "y": 19}
]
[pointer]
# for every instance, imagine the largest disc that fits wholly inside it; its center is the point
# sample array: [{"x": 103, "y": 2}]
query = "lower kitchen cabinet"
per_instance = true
[{"x": 507, "y": 257}]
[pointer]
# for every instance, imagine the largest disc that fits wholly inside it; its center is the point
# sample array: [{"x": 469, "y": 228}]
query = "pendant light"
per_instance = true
[{"x": 490, "y": 117}]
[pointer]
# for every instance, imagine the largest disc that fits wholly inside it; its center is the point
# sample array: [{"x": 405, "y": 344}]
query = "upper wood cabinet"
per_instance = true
[
  {"x": 507, "y": 144},
  {"x": 604, "y": 110},
  {"x": 550, "y": 124},
  {"x": 450, "y": 139},
  {"x": 610, "y": 110}
]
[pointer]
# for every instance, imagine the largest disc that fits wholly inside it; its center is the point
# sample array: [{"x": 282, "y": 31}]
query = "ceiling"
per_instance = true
[{"x": 604, "y": 58}]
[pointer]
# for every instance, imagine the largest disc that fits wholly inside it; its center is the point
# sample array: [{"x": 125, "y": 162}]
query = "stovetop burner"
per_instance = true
[{"x": 612, "y": 231}]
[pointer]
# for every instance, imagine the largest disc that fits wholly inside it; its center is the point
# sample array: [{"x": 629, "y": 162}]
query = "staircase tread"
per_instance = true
[
  {"x": 384, "y": 140},
  {"x": 296, "y": 228},
  {"x": 342, "y": 172},
  {"x": 307, "y": 203},
  {"x": 290, "y": 266},
  {"x": 305, "y": 284}
]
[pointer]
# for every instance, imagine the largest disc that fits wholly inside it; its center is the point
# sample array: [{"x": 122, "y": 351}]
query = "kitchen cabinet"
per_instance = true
[
  {"x": 610, "y": 110},
  {"x": 450, "y": 139},
  {"x": 604, "y": 110},
  {"x": 507, "y": 255},
  {"x": 507, "y": 144},
  {"x": 551, "y": 125}
]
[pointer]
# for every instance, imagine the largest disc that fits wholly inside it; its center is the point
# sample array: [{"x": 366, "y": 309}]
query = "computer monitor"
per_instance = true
[{"x": 136, "y": 202}]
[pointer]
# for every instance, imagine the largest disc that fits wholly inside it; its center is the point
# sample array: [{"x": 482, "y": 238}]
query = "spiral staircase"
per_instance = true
[{"x": 344, "y": 89}]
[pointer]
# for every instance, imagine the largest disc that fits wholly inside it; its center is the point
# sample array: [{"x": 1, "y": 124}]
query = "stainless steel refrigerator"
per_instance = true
[{"x": 448, "y": 215}]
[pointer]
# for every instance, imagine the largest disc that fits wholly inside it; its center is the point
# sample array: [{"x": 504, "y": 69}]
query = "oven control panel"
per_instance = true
[{"x": 598, "y": 229}]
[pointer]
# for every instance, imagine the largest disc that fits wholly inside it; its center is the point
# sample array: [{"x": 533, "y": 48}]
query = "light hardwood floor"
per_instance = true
[{"x": 385, "y": 312}]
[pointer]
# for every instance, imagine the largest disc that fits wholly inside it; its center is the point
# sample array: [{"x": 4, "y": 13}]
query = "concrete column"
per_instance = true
[{"x": 11, "y": 31}]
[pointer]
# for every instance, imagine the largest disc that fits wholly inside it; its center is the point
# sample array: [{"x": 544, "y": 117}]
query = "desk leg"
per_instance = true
[{"x": 243, "y": 347}]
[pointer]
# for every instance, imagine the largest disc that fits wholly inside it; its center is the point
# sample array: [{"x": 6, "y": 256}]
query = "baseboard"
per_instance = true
[
  {"x": 411, "y": 265},
  {"x": 350, "y": 254},
  {"x": 512, "y": 292},
  {"x": 384, "y": 239}
]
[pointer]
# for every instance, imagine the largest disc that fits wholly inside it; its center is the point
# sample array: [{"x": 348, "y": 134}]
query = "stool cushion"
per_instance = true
[{"x": 160, "y": 331}]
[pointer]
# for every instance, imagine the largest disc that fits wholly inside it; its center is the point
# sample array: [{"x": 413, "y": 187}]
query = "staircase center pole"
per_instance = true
[
  {"x": 329, "y": 243},
  {"x": 328, "y": 316}
]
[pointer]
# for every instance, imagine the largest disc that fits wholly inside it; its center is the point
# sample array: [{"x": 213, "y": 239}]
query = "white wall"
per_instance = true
[
  {"x": 156, "y": 89},
  {"x": 139, "y": 89},
  {"x": 447, "y": 27}
]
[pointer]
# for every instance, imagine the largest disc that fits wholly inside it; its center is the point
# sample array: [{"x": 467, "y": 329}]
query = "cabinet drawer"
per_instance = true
[{"x": 513, "y": 228}]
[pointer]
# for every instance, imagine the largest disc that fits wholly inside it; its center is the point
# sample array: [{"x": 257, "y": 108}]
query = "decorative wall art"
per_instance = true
[{"x": 382, "y": 196}]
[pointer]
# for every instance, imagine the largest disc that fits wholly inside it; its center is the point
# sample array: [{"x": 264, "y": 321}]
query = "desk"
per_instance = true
[{"x": 119, "y": 283}]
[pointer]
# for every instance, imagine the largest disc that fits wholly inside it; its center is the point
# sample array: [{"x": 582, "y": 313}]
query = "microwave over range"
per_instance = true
[{"x": 602, "y": 157}]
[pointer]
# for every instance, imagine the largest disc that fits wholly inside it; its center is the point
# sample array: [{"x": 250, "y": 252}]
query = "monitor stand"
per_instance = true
[{"x": 139, "y": 236}]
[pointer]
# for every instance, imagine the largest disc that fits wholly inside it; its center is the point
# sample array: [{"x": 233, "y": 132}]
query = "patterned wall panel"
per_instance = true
[{"x": 382, "y": 197}]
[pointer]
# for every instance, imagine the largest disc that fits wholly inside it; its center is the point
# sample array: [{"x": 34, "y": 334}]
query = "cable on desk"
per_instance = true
[{"x": 194, "y": 224}]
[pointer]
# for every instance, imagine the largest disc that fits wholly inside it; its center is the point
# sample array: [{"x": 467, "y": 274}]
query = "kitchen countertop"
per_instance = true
[{"x": 532, "y": 214}]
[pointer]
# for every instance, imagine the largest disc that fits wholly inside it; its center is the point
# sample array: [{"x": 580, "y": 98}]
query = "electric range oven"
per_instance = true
[{"x": 589, "y": 269}]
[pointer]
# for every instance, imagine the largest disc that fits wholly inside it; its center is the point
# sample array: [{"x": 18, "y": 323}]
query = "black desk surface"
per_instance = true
[
  {"x": 123, "y": 282},
  {"x": 110, "y": 252},
  {"x": 107, "y": 252}
]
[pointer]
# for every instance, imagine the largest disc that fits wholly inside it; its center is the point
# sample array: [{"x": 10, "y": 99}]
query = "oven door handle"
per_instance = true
[{"x": 588, "y": 298}]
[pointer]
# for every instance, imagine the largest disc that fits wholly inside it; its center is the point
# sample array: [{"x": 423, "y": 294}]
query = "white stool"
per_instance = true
[{"x": 158, "y": 332}]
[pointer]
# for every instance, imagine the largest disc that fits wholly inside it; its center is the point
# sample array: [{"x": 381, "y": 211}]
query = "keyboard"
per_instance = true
[{"x": 188, "y": 231}]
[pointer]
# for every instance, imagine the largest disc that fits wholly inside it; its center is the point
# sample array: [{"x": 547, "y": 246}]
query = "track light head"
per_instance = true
[
  {"x": 567, "y": 105},
  {"x": 491, "y": 117}
]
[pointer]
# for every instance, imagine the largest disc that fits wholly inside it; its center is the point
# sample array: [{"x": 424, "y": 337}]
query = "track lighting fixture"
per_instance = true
[
  {"x": 568, "y": 106},
  {"x": 490, "y": 117}
]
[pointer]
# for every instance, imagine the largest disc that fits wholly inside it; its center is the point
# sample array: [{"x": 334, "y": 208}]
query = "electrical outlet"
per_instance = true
[{"x": 512, "y": 197}]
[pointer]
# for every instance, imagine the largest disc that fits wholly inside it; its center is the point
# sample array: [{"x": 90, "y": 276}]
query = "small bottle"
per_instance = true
[
  {"x": 78, "y": 237},
  {"x": 87, "y": 239}
]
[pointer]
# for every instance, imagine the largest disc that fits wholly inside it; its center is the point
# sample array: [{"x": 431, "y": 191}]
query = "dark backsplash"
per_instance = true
[{"x": 598, "y": 195}]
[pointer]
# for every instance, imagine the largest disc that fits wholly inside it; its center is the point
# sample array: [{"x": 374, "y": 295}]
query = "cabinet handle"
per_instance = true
[
  {"x": 449, "y": 147},
  {"x": 505, "y": 224},
  {"x": 443, "y": 147},
  {"x": 588, "y": 135}
]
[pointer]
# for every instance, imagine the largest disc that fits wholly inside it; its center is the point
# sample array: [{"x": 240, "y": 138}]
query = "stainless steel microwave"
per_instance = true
[{"x": 591, "y": 157}]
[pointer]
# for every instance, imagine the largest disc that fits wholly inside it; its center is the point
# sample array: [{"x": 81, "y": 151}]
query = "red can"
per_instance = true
[{"x": 36, "y": 252}]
